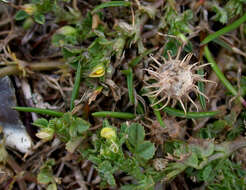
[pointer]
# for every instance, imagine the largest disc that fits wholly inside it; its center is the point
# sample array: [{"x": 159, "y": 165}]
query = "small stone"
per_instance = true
[{"x": 14, "y": 131}]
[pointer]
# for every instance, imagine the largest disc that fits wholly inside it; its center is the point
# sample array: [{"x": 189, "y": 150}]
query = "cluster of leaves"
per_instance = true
[
  {"x": 231, "y": 9},
  {"x": 46, "y": 176},
  {"x": 68, "y": 128},
  {"x": 109, "y": 157},
  {"x": 220, "y": 174},
  {"x": 177, "y": 24},
  {"x": 205, "y": 161},
  {"x": 199, "y": 159},
  {"x": 37, "y": 10},
  {"x": 95, "y": 58},
  {"x": 107, "y": 152},
  {"x": 88, "y": 45},
  {"x": 229, "y": 127}
]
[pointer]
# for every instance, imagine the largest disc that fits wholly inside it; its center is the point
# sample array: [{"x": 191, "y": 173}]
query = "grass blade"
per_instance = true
[
  {"x": 202, "y": 89},
  {"x": 136, "y": 60},
  {"x": 222, "y": 44},
  {"x": 157, "y": 113},
  {"x": 191, "y": 115},
  {"x": 76, "y": 86},
  {"x": 129, "y": 78},
  {"x": 111, "y": 4},
  {"x": 120, "y": 115},
  {"x": 218, "y": 72},
  {"x": 224, "y": 30},
  {"x": 39, "y": 111}
]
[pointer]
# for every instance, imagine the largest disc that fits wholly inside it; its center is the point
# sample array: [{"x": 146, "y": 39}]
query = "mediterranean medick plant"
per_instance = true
[{"x": 174, "y": 80}]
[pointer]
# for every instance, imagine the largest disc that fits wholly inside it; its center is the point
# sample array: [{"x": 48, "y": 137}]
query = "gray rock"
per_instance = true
[{"x": 14, "y": 131}]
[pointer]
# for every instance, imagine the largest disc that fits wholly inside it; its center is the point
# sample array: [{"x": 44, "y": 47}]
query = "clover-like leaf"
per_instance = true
[
  {"x": 146, "y": 150},
  {"x": 21, "y": 15},
  {"x": 136, "y": 134}
]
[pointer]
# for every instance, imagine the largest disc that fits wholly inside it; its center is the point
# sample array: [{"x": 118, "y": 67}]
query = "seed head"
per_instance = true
[{"x": 174, "y": 80}]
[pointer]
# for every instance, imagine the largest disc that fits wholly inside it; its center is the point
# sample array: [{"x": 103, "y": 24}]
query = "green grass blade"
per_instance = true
[
  {"x": 120, "y": 115},
  {"x": 39, "y": 111},
  {"x": 218, "y": 72},
  {"x": 191, "y": 115},
  {"x": 136, "y": 60},
  {"x": 224, "y": 30},
  {"x": 157, "y": 113},
  {"x": 140, "y": 109},
  {"x": 76, "y": 86},
  {"x": 129, "y": 78},
  {"x": 111, "y": 4},
  {"x": 202, "y": 89},
  {"x": 222, "y": 44}
]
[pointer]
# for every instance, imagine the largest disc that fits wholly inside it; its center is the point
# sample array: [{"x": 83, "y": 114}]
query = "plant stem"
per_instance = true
[{"x": 43, "y": 66}]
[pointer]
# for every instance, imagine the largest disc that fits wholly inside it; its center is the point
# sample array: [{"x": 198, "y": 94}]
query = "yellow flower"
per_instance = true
[
  {"x": 97, "y": 71},
  {"x": 30, "y": 8},
  {"x": 108, "y": 133}
]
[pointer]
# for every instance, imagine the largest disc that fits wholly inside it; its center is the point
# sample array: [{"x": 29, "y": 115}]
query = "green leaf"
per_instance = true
[
  {"x": 72, "y": 144},
  {"x": 129, "y": 78},
  {"x": 82, "y": 125},
  {"x": 36, "y": 1},
  {"x": 136, "y": 134},
  {"x": 221, "y": 14},
  {"x": 45, "y": 176},
  {"x": 52, "y": 187},
  {"x": 206, "y": 172},
  {"x": 217, "y": 70},
  {"x": 76, "y": 86},
  {"x": 157, "y": 113},
  {"x": 146, "y": 150},
  {"x": 193, "y": 115},
  {"x": 41, "y": 123},
  {"x": 39, "y": 111},
  {"x": 138, "y": 59},
  {"x": 73, "y": 129},
  {"x": 57, "y": 39},
  {"x": 107, "y": 170},
  {"x": 172, "y": 46},
  {"x": 21, "y": 15},
  {"x": 224, "y": 30},
  {"x": 120, "y": 115},
  {"x": 192, "y": 160},
  {"x": 39, "y": 18},
  {"x": 146, "y": 184},
  {"x": 111, "y": 4},
  {"x": 201, "y": 87}
]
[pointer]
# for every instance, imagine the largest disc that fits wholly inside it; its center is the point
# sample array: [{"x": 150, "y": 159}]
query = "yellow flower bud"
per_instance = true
[
  {"x": 45, "y": 134},
  {"x": 97, "y": 71},
  {"x": 30, "y": 8},
  {"x": 108, "y": 133}
]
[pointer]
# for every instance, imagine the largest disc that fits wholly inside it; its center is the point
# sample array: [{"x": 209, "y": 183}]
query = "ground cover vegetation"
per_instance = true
[{"x": 127, "y": 95}]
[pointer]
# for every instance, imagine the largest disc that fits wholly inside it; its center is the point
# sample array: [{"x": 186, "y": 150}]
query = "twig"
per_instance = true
[{"x": 43, "y": 66}]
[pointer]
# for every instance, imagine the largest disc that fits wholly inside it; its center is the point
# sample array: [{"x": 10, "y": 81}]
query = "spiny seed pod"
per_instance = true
[{"x": 174, "y": 80}]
